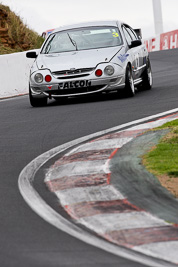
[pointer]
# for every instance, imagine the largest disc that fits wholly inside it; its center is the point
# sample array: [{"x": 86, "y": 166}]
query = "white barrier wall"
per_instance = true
[{"x": 14, "y": 74}]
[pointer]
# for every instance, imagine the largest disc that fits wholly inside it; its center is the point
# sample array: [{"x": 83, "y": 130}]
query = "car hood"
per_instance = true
[{"x": 76, "y": 59}]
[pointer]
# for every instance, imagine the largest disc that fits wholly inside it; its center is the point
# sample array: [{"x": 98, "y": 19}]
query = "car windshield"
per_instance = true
[{"x": 82, "y": 39}]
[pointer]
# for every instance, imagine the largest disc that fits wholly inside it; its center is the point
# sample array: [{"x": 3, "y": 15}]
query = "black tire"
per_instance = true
[
  {"x": 147, "y": 77},
  {"x": 129, "y": 90},
  {"x": 37, "y": 102}
]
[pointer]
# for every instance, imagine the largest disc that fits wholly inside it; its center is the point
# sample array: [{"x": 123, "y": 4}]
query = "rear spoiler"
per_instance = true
[{"x": 138, "y": 33}]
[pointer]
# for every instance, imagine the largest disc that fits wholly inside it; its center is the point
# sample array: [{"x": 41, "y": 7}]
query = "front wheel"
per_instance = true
[
  {"x": 37, "y": 102},
  {"x": 147, "y": 76},
  {"x": 129, "y": 89}
]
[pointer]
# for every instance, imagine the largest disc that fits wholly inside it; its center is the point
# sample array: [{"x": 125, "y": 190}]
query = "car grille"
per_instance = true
[
  {"x": 75, "y": 73},
  {"x": 76, "y": 90}
]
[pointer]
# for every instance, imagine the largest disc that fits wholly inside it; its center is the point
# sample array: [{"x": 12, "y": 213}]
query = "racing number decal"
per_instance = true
[{"x": 115, "y": 34}]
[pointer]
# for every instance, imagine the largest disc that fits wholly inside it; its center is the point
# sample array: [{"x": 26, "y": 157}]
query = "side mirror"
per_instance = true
[
  {"x": 135, "y": 43},
  {"x": 31, "y": 55}
]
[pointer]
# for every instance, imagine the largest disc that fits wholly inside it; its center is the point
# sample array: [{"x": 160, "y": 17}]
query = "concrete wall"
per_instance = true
[{"x": 14, "y": 74}]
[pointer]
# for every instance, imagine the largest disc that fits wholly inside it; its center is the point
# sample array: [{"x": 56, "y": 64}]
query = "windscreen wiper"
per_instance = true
[
  {"x": 48, "y": 47},
  {"x": 73, "y": 42}
]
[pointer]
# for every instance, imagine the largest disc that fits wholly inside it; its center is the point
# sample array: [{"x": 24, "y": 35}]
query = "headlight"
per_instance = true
[
  {"x": 109, "y": 70},
  {"x": 38, "y": 78}
]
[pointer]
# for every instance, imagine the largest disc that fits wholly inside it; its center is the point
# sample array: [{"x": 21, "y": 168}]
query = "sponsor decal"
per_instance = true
[
  {"x": 150, "y": 44},
  {"x": 75, "y": 84},
  {"x": 164, "y": 41},
  {"x": 123, "y": 57},
  {"x": 169, "y": 40},
  {"x": 165, "y": 44}
]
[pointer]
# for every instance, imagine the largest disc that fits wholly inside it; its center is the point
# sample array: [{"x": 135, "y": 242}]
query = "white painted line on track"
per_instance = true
[
  {"x": 153, "y": 124},
  {"x": 34, "y": 200}
]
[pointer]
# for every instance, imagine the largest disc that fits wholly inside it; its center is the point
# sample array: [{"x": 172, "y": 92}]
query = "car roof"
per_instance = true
[{"x": 114, "y": 23}]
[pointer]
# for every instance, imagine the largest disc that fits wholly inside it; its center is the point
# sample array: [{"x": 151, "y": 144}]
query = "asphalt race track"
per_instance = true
[{"x": 26, "y": 132}]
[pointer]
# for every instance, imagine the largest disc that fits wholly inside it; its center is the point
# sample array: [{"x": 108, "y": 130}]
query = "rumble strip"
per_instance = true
[{"x": 81, "y": 182}]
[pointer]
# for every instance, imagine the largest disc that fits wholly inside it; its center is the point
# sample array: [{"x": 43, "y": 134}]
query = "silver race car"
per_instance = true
[{"x": 89, "y": 58}]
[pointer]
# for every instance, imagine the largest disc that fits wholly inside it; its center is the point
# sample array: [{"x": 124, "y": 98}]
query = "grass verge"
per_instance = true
[
  {"x": 162, "y": 160},
  {"x": 15, "y": 36}
]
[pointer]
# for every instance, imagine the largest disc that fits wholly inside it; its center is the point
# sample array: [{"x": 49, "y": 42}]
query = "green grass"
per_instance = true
[
  {"x": 171, "y": 124},
  {"x": 163, "y": 159}
]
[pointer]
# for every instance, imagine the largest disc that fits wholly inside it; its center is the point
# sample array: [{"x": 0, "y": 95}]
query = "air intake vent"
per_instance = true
[{"x": 72, "y": 72}]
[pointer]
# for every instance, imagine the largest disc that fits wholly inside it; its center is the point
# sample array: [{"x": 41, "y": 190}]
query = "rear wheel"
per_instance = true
[
  {"x": 129, "y": 89},
  {"x": 37, "y": 102}
]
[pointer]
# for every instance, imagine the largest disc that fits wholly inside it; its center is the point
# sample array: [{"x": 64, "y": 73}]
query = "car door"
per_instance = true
[{"x": 136, "y": 53}]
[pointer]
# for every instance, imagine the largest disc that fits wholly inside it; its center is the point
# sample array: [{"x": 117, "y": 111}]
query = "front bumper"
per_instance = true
[
  {"x": 53, "y": 90},
  {"x": 96, "y": 84}
]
